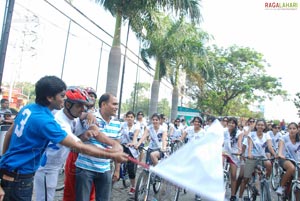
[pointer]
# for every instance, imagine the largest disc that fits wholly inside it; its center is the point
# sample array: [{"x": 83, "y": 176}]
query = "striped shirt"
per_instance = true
[{"x": 110, "y": 129}]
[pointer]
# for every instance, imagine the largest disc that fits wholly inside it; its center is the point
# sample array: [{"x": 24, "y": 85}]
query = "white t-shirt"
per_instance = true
[
  {"x": 291, "y": 151},
  {"x": 192, "y": 135},
  {"x": 156, "y": 137},
  {"x": 275, "y": 139},
  {"x": 142, "y": 125},
  {"x": 259, "y": 144},
  {"x": 128, "y": 133},
  {"x": 56, "y": 154}
]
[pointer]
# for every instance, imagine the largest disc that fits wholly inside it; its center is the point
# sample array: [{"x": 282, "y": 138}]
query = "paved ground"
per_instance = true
[{"x": 121, "y": 194}]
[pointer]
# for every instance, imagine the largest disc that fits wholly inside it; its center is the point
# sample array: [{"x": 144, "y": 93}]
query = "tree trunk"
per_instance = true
[
  {"x": 154, "y": 97},
  {"x": 114, "y": 60},
  {"x": 174, "y": 109}
]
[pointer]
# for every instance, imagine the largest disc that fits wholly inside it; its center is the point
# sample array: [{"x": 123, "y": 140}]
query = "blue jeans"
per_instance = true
[
  {"x": 84, "y": 181},
  {"x": 18, "y": 190}
]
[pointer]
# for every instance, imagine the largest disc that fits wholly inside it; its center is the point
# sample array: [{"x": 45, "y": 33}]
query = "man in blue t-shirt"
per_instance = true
[{"x": 27, "y": 138}]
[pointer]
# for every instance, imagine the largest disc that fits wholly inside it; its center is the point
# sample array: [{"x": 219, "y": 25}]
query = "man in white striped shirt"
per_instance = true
[{"x": 97, "y": 170}]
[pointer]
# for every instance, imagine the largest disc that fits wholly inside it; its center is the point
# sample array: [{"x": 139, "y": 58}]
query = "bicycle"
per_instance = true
[
  {"x": 292, "y": 191},
  {"x": 251, "y": 191},
  {"x": 265, "y": 194},
  {"x": 124, "y": 175},
  {"x": 175, "y": 144},
  {"x": 276, "y": 174},
  {"x": 226, "y": 168},
  {"x": 147, "y": 179},
  {"x": 226, "y": 171}
]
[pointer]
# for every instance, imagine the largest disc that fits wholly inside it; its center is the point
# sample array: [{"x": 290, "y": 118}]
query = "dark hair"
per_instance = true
[
  {"x": 162, "y": 116},
  {"x": 198, "y": 118},
  {"x": 211, "y": 118},
  {"x": 140, "y": 113},
  {"x": 274, "y": 125},
  {"x": 129, "y": 113},
  {"x": 104, "y": 98},
  {"x": 48, "y": 86},
  {"x": 250, "y": 119},
  {"x": 175, "y": 125},
  {"x": 225, "y": 118},
  {"x": 3, "y": 100},
  {"x": 265, "y": 123},
  {"x": 234, "y": 120},
  {"x": 296, "y": 125},
  {"x": 155, "y": 115}
]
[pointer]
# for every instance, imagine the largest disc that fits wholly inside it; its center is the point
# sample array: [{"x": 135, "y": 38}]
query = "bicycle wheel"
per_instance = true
[
  {"x": 275, "y": 176},
  {"x": 142, "y": 187},
  {"x": 251, "y": 193},
  {"x": 124, "y": 175},
  {"x": 226, "y": 180},
  {"x": 176, "y": 146},
  {"x": 294, "y": 192},
  {"x": 156, "y": 184},
  {"x": 168, "y": 191},
  {"x": 265, "y": 194},
  {"x": 61, "y": 179}
]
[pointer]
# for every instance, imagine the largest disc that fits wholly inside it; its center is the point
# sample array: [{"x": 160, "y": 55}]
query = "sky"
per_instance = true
[
  {"x": 245, "y": 23},
  {"x": 274, "y": 33}
]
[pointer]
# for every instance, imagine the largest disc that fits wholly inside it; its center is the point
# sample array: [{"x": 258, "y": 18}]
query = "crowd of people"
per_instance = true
[
  {"x": 244, "y": 147},
  {"x": 66, "y": 126}
]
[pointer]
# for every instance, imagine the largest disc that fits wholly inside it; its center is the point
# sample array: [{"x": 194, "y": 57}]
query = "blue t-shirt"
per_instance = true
[{"x": 34, "y": 128}]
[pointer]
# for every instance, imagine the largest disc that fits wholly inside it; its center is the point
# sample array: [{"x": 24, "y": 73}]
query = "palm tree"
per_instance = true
[
  {"x": 134, "y": 11},
  {"x": 174, "y": 45},
  {"x": 188, "y": 56}
]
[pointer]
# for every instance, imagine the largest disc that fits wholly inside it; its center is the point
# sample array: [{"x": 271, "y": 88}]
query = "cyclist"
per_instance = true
[
  {"x": 176, "y": 131},
  {"x": 142, "y": 124},
  {"x": 250, "y": 125},
  {"x": 288, "y": 149},
  {"x": 209, "y": 121},
  {"x": 158, "y": 140},
  {"x": 129, "y": 133},
  {"x": 163, "y": 122},
  {"x": 231, "y": 138},
  {"x": 224, "y": 122},
  {"x": 275, "y": 136},
  {"x": 194, "y": 132},
  {"x": 257, "y": 142}
]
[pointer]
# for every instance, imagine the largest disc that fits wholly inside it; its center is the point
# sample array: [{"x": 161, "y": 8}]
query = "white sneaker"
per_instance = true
[{"x": 280, "y": 190}]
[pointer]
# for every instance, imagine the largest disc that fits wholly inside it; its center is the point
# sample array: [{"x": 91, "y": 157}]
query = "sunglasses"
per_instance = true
[{"x": 251, "y": 121}]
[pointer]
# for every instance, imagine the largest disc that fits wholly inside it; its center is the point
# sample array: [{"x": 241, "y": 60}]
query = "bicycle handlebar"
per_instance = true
[{"x": 261, "y": 158}]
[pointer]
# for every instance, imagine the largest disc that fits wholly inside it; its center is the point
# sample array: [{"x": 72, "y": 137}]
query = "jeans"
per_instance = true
[
  {"x": 102, "y": 182},
  {"x": 18, "y": 190}
]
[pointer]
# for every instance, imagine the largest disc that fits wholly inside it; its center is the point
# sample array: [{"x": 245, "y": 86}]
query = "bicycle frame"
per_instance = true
[
  {"x": 265, "y": 194},
  {"x": 226, "y": 169},
  {"x": 295, "y": 183}
]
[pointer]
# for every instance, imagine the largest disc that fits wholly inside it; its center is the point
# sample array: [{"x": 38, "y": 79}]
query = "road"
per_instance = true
[{"x": 119, "y": 193}]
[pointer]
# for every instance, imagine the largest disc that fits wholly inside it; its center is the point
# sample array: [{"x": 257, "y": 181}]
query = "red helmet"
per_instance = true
[
  {"x": 90, "y": 90},
  {"x": 77, "y": 95}
]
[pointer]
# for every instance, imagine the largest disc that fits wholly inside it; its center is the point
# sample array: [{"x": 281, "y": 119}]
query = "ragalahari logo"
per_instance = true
[{"x": 281, "y": 5}]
